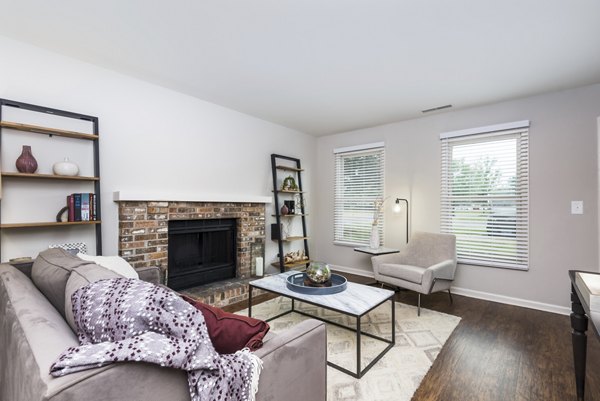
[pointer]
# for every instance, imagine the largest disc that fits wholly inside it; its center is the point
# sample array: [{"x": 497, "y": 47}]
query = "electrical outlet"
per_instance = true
[{"x": 576, "y": 207}]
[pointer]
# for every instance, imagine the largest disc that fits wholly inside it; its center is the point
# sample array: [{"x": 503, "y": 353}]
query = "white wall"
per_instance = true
[
  {"x": 563, "y": 167},
  {"x": 151, "y": 139}
]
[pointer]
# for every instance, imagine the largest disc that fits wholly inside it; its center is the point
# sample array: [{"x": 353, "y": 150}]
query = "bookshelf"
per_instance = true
[{"x": 32, "y": 181}]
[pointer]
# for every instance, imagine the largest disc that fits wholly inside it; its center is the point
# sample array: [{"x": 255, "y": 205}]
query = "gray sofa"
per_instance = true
[{"x": 33, "y": 333}]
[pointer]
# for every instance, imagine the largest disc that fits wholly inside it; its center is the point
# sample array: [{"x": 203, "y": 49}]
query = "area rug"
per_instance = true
[{"x": 398, "y": 374}]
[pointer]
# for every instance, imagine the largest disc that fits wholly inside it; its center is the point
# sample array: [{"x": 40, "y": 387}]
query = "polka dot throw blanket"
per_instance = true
[{"x": 127, "y": 320}]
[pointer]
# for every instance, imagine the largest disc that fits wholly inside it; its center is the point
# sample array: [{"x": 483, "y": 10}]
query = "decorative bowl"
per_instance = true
[{"x": 65, "y": 168}]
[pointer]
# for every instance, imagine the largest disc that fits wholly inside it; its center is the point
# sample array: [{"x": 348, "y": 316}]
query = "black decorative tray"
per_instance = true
[{"x": 295, "y": 282}]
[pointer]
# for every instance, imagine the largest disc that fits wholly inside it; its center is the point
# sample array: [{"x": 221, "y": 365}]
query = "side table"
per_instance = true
[
  {"x": 376, "y": 252},
  {"x": 580, "y": 313}
]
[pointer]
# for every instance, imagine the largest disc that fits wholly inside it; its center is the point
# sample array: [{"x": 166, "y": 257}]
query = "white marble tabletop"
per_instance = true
[{"x": 356, "y": 299}]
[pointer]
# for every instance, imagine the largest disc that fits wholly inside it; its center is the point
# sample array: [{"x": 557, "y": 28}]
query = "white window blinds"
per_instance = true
[
  {"x": 358, "y": 184},
  {"x": 485, "y": 195}
]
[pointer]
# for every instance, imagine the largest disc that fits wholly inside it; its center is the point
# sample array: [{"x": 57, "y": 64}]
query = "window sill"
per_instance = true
[
  {"x": 493, "y": 265},
  {"x": 350, "y": 244}
]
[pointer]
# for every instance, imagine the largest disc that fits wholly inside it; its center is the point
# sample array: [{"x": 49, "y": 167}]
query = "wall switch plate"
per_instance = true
[{"x": 576, "y": 207}]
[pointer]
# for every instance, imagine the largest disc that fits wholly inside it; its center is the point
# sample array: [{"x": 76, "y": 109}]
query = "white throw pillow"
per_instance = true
[{"x": 114, "y": 263}]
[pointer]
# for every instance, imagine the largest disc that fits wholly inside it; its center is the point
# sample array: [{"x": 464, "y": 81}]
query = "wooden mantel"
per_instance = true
[{"x": 157, "y": 196}]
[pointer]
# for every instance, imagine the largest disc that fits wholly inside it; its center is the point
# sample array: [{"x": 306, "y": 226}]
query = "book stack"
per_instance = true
[{"x": 82, "y": 207}]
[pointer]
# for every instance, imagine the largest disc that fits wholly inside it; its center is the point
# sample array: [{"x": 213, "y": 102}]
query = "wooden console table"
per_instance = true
[{"x": 580, "y": 313}]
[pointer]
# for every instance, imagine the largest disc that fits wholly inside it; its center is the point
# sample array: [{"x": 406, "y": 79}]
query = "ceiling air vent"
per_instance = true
[{"x": 436, "y": 108}]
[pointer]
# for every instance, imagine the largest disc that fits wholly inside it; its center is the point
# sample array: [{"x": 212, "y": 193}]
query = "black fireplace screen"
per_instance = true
[{"x": 201, "y": 252}]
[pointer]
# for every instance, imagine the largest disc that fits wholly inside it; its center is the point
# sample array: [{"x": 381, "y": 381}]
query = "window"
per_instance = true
[
  {"x": 485, "y": 194},
  {"x": 358, "y": 184}
]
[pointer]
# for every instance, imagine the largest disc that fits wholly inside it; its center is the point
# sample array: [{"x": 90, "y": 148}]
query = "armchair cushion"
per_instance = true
[
  {"x": 414, "y": 274},
  {"x": 427, "y": 249}
]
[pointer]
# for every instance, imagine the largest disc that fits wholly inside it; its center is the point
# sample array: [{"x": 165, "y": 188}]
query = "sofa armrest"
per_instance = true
[
  {"x": 295, "y": 364},
  {"x": 150, "y": 274}
]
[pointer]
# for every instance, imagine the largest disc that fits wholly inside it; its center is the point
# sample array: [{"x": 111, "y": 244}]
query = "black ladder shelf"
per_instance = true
[{"x": 291, "y": 167}]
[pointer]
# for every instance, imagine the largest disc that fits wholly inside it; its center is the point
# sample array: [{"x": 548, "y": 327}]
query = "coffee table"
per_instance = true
[{"x": 356, "y": 301}]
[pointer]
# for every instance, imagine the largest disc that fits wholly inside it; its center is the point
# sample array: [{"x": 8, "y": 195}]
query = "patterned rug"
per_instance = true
[{"x": 398, "y": 374}]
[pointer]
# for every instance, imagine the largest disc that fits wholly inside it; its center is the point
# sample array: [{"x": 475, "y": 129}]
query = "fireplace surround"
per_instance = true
[{"x": 144, "y": 236}]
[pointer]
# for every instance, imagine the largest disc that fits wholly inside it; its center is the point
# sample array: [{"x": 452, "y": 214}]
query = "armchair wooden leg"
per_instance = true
[
  {"x": 450, "y": 295},
  {"x": 419, "y": 305}
]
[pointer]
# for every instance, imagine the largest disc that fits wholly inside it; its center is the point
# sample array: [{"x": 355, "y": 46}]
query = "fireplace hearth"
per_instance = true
[{"x": 201, "y": 252}]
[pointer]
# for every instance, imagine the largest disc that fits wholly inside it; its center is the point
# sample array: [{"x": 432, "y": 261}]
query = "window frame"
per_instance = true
[
  {"x": 368, "y": 206},
  {"x": 488, "y": 246}
]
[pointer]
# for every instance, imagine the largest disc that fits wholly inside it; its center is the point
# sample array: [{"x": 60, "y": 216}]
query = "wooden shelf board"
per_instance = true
[
  {"x": 48, "y": 224},
  {"x": 291, "y": 265},
  {"x": 289, "y": 192},
  {"x": 50, "y": 176},
  {"x": 294, "y": 238},
  {"x": 290, "y": 215},
  {"x": 46, "y": 130},
  {"x": 287, "y": 168}
]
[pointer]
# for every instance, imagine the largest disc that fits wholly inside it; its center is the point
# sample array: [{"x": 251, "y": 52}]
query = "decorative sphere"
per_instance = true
[{"x": 318, "y": 272}]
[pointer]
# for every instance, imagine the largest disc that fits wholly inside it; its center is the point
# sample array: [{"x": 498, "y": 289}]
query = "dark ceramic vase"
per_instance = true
[
  {"x": 26, "y": 163},
  {"x": 284, "y": 210}
]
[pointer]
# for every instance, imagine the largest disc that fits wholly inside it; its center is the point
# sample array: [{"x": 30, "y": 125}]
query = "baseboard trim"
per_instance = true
[
  {"x": 487, "y": 296},
  {"x": 524, "y": 303},
  {"x": 352, "y": 270}
]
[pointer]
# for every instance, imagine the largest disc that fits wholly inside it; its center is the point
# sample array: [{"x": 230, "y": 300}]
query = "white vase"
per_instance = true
[
  {"x": 65, "y": 168},
  {"x": 374, "y": 240}
]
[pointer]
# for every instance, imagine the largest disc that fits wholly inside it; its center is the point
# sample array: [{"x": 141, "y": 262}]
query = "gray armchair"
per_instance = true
[{"x": 427, "y": 265}]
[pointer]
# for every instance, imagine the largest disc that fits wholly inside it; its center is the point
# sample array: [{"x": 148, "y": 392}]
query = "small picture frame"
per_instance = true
[{"x": 291, "y": 205}]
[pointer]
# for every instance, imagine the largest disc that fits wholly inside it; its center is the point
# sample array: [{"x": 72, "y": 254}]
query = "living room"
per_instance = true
[{"x": 189, "y": 115}]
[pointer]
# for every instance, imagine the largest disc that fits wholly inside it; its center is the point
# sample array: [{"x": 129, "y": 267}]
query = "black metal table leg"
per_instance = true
[
  {"x": 249, "y": 301},
  {"x": 393, "y": 320},
  {"x": 579, "y": 323},
  {"x": 358, "y": 371}
]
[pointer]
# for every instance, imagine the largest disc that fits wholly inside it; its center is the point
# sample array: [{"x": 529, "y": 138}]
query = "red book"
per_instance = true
[{"x": 71, "y": 205}]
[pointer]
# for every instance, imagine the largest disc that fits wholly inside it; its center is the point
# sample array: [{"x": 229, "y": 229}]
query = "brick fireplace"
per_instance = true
[{"x": 144, "y": 239}]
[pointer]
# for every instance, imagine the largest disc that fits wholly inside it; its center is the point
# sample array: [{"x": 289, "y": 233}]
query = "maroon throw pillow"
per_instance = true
[{"x": 229, "y": 332}]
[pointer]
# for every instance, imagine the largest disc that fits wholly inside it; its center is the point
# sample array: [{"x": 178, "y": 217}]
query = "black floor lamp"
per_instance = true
[{"x": 398, "y": 208}]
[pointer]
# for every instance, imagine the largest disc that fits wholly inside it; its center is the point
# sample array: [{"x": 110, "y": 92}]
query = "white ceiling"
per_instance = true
[{"x": 327, "y": 66}]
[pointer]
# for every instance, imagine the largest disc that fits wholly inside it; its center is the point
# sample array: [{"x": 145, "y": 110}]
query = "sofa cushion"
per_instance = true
[
  {"x": 50, "y": 272},
  {"x": 82, "y": 276},
  {"x": 414, "y": 274},
  {"x": 114, "y": 263},
  {"x": 229, "y": 332}
]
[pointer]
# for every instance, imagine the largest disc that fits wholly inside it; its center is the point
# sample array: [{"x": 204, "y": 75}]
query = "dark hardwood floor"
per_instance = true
[{"x": 500, "y": 352}]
